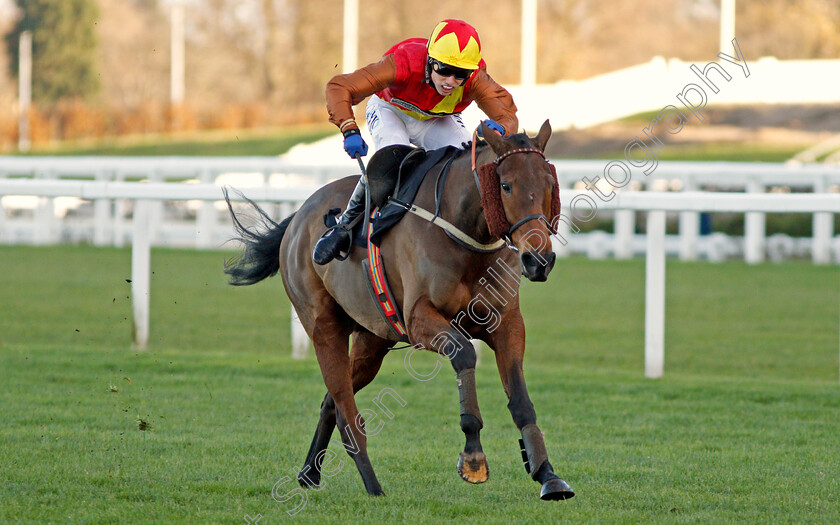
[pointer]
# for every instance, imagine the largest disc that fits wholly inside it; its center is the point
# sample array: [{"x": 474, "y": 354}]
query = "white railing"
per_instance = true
[
  {"x": 656, "y": 204},
  {"x": 108, "y": 223},
  {"x": 751, "y": 177}
]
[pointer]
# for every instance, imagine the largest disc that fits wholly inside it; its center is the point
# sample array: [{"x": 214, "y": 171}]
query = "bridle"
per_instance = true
[{"x": 508, "y": 236}]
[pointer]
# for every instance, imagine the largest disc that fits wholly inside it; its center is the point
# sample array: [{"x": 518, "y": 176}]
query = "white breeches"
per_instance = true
[{"x": 388, "y": 126}]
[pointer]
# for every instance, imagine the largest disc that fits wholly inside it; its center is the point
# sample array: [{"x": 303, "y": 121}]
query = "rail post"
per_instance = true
[
  {"x": 655, "y": 295},
  {"x": 140, "y": 271}
]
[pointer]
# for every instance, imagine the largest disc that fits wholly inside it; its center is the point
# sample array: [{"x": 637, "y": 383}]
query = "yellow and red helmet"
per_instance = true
[{"x": 455, "y": 43}]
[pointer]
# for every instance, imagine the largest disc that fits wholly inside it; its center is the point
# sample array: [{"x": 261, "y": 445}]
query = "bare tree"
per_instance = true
[
  {"x": 134, "y": 53},
  {"x": 279, "y": 54}
]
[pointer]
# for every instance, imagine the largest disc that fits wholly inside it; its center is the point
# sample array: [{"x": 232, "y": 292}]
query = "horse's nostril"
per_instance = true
[
  {"x": 528, "y": 260},
  {"x": 550, "y": 258},
  {"x": 531, "y": 259},
  {"x": 537, "y": 266}
]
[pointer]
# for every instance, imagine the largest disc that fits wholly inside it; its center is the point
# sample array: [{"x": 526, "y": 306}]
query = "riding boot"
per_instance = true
[{"x": 337, "y": 238}]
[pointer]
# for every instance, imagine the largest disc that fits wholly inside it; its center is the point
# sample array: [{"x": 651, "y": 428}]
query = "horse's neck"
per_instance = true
[{"x": 461, "y": 200}]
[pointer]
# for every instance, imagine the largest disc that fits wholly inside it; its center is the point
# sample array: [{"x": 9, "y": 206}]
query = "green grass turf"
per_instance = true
[
  {"x": 713, "y": 151},
  {"x": 211, "y": 143},
  {"x": 743, "y": 427}
]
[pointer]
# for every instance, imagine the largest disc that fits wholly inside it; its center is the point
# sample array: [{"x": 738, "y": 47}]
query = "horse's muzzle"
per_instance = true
[{"x": 537, "y": 266}]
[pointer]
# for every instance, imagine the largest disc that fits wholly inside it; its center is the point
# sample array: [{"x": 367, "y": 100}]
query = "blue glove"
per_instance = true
[
  {"x": 354, "y": 144},
  {"x": 495, "y": 126}
]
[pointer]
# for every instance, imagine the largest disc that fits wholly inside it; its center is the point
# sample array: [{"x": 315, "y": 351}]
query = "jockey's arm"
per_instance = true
[
  {"x": 494, "y": 101},
  {"x": 345, "y": 91}
]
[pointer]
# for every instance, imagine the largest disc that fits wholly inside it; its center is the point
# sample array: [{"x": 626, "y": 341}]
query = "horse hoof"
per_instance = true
[
  {"x": 556, "y": 489},
  {"x": 473, "y": 467},
  {"x": 307, "y": 481}
]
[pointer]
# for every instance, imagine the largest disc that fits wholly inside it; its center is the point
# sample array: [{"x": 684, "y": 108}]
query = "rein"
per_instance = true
[
  {"x": 472, "y": 159},
  {"x": 452, "y": 231}
]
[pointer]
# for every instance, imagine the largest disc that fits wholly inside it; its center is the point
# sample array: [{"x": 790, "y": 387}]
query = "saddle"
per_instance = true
[{"x": 394, "y": 175}]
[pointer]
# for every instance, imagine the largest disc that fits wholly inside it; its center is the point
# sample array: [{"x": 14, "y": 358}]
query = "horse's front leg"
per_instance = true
[
  {"x": 509, "y": 346},
  {"x": 430, "y": 329}
]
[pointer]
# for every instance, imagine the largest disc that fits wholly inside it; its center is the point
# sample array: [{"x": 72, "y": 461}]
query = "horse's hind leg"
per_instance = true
[
  {"x": 429, "y": 328},
  {"x": 330, "y": 341},
  {"x": 366, "y": 356},
  {"x": 310, "y": 474}
]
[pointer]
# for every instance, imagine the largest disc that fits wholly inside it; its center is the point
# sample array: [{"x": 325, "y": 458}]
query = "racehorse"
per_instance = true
[{"x": 435, "y": 280}]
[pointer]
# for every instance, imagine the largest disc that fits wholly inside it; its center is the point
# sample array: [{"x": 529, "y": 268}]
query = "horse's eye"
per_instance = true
[{"x": 507, "y": 187}]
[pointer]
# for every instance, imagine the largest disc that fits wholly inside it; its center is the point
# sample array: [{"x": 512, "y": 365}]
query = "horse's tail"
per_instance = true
[{"x": 261, "y": 257}]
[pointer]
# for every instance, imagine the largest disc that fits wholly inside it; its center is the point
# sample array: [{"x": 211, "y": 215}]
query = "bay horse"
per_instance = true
[{"x": 434, "y": 280}]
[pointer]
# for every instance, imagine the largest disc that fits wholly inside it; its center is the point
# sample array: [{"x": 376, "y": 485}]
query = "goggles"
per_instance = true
[{"x": 445, "y": 70}]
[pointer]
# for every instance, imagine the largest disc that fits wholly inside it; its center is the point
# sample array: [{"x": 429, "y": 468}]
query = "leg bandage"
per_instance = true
[
  {"x": 533, "y": 448},
  {"x": 466, "y": 391}
]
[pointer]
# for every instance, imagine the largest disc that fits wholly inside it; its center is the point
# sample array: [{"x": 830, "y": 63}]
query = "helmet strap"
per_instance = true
[{"x": 428, "y": 79}]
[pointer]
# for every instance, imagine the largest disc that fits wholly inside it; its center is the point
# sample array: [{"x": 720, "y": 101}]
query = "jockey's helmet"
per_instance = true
[{"x": 454, "y": 43}]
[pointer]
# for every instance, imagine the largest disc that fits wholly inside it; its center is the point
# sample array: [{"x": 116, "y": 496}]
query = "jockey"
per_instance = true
[{"x": 417, "y": 92}]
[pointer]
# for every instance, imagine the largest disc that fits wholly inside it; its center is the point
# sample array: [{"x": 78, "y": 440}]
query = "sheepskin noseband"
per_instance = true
[{"x": 491, "y": 198}]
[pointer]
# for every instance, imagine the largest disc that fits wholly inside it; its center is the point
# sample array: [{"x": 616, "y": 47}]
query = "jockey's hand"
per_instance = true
[
  {"x": 495, "y": 126},
  {"x": 354, "y": 144}
]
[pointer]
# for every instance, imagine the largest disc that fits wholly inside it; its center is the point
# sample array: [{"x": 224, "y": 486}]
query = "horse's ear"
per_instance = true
[
  {"x": 494, "y": 139},
  {"x": 542, "y": 137}
]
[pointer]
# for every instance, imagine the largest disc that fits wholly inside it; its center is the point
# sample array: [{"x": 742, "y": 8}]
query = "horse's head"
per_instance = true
[{"x": 519, "y": 194}]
